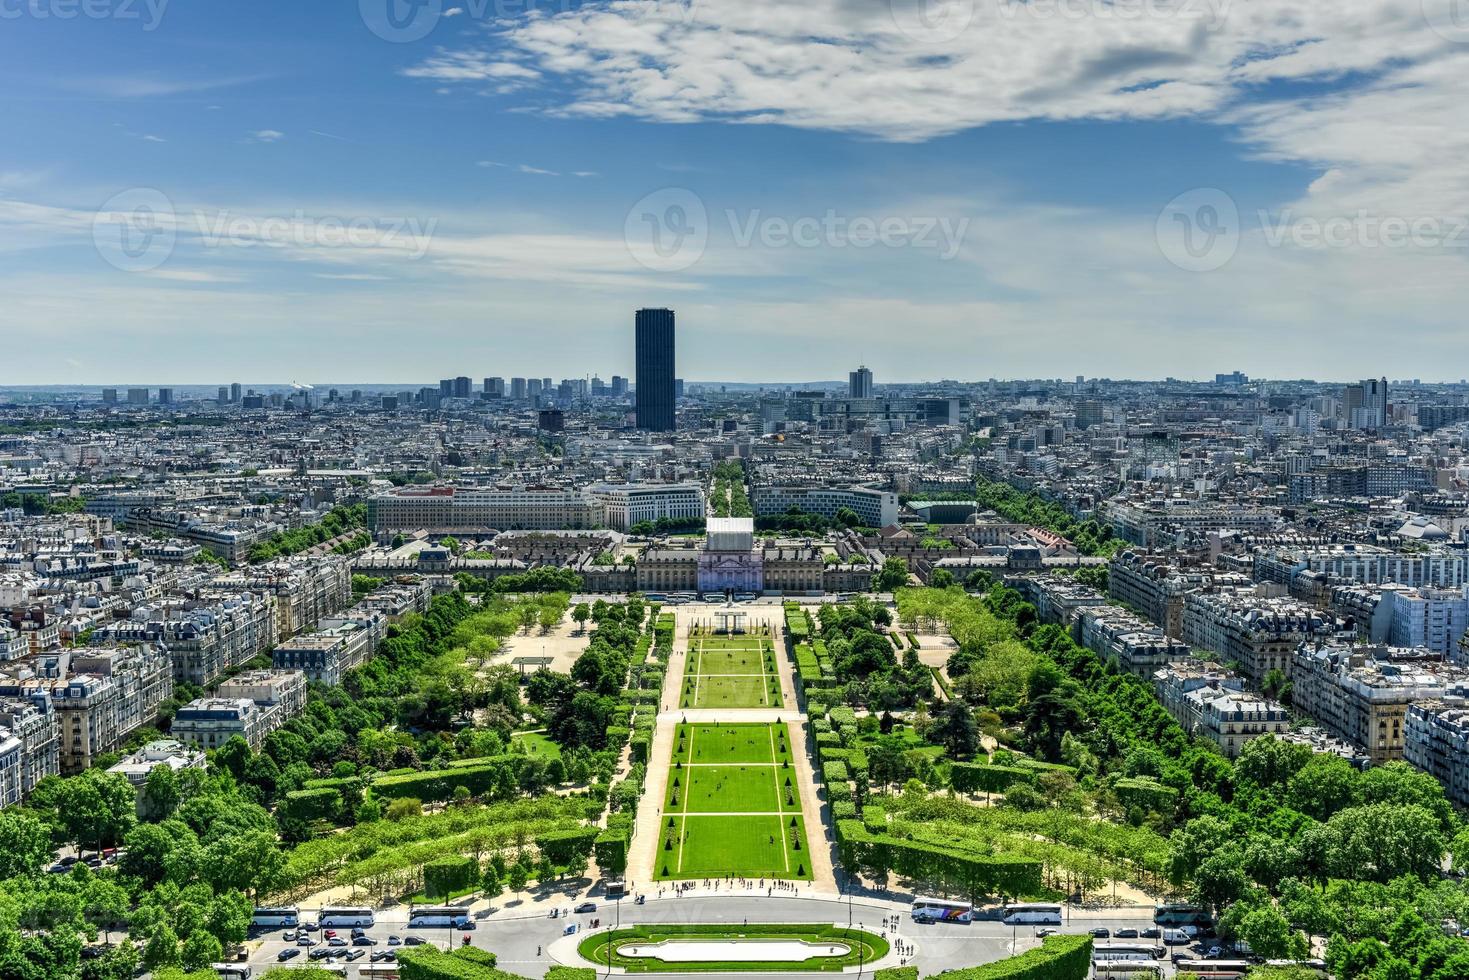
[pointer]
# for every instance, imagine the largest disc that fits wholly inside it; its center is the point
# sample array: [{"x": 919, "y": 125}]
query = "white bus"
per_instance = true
[
  {"x": 1211, "y": 969},
  {"x": 438, "y": 916},
  {"x": 941, "y": 910},
  {"x": 1032, "y": 914},
  {"x": 231, "y": 971},
  {"x": 1127, "y": 951},
  {"x": 342, "y": 915},
  {"x": 1126, "y": 970},
  {"x": 379, "y": 971},
  {"x": 274, "y": 918}
]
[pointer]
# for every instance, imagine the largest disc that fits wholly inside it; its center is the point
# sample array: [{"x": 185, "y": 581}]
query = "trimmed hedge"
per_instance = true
[
  {"x": 571, "y": 973},
  {"x": 976, "y": 777},
  {"x": 447, "y": 875},
  {"x": 562, "y": 847},
  {"x": 1147, "y": 793},
  {"x": 479, "y": 776},
  {"x": 949, "y": 868},
  {"x": 896, "y": 973},
  {"x": 311, "y": 804},
  {"x": 466, "y": 963},
  {"x": 1058, "y": 958}
]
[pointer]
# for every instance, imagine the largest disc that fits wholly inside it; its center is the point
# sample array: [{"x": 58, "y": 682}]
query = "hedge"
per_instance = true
[
  {"x": 835, "y": 772},
  {"x": 479, "y": 778},
  {"x": 896, "y": 973},
  {"x": 949, "y": 868},
  {"x": 1147, "y": 793},
  {"x": 844, "y": 810},
  {"x": 571, "y": 973},
  {"x": 976, "y": 777},
  {"x": 1058, "y": 958},
  {"x": 431, "y": 963},
  {"x": 446, "y": 876},
  {"x": 562, "y": 847},
  {"x": 610, "y": 849},
  {"x": 311, "y": 804}
]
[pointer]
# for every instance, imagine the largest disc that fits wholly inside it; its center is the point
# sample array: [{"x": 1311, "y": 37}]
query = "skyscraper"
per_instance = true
[
  {"x": 654, "y": 355},
  {"x": 619, "y": 386},
  {"x": 235, "y": 393},
  {"x": 463, "y": 387},
  {"x": 517, "y": 389},
  {"x": 859, "y": 383}
]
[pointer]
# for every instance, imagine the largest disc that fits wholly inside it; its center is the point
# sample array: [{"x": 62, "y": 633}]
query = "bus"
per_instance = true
[
  {"x": 1211, "y": 969},
  {"x": 439, "y": 916},
  {"x": 1312, "y": 967},
  {"x": 273, "y": 918},
  {"x": 941, "y": 910},
  {"x": 616, "y": 888},
  {"x": 231, "y": 971},
  {"x": 1032, "y": 914},
  {"x": 343, "y": 915},
  {"x": 1180, "y": 915},
  {"x": 379, "y": 971},
  {"x": 1127, "y": 951},
  {"x": 1126, "y": 970}
]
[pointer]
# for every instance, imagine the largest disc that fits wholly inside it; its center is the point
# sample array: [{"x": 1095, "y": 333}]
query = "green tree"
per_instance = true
[
  {"x": 892, "y": 576},
  {"x": 162, "y": 949},
  {"x": 200, "y": 950},
  {"x": 25, "y": 844},
  {"x": 98, "y": 807},
  {"x": 106, "y": 906},
  {"x": 956, "y": 730}
]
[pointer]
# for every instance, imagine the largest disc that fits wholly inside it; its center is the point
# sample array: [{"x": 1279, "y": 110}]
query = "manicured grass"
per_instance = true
[
  {"x": 733, "y": 692},
  {"x": 730, "y": 674},
  {"x": 538, "y": 745},
  {"x": 732, "y": 662},
  {"x": 864, "y": 947},
  {"x": 733, "y": 642},
  {"x": 733, "y": 743},
  {"x": 731, "y": 789},
  {"x": 749, "y": 845}
]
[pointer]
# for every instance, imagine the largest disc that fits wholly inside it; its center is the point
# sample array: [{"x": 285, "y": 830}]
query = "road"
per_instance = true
[{"x": 529, "y": 944}]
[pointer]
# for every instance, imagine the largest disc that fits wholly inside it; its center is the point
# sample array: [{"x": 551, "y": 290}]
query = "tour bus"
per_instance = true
[
  {"x": 274, "y": 918},
  {"x": 1311, "y": 967},
  {"x": 1211, "y": 969},
  {"x": 1127, "y": 951},
  {"x": 439, "y": 916},
  {"x": 941, "y": 910},
  {"x": 1032, "y": 914},
  {"x": 1126, "y": 970},
  {"x": 231, "y": 971},
  {"x": 1180, "y": 915},
  {"x": 342, "y": 915}
]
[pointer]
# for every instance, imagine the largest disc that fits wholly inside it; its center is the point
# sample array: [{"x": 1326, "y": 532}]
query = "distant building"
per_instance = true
[
  {"x": 654, "y": 362},
  {"x": 859, "y": 383},
  {"x": 137, "y": 396},
  {"x": 874, "y": 508},
  {"x": 625, "y": 505}
]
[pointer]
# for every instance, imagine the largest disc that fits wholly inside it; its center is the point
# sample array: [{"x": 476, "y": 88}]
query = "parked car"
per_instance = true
[
  {"x": 363, "y": 941},
  {"x": 586, "y": 907},
  {"x": 1151, "y": 932},
  {"x": 394, "y": 941},
  {"x": 382, "y": 955},
  {"x": 1043, "y": 933},
  {"x": 287, "y": 954},
  {"x": 1101, "y": 932},
  {"x": 329, "y": 933},
  {"x": 1125, "y": 934},
  {"x": 353, "y": 955},
  {"x": 289, "y": 936},
  {"x": 304, "y": 940},
  {"x": 336, "y": 941},
  {"x": 413, "y": 941}
]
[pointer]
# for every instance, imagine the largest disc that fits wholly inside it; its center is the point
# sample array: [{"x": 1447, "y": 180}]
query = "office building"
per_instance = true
[
  {"x": 859, "y": 383},
  {"x": 109, "y": 396},
  {"x": 494, "y": 388},
  {"x": 137, "y": 396},
  {"x": 463, "y": 387},
  {"x": 626, "y": 505},
  {"x": 165, "y": 396},
  {"x": 655, "y": 397},
  {"x": 235, "y": 393},
  {"x": 517, "y": 389}
]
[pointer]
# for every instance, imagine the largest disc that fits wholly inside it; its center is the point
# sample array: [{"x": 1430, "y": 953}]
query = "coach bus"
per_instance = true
[
  {"x": 379, "y": 971},
  {"x": 1211, "y": 969},
  {"x": 273, "y": 918},
  {"x": 1127, "y": 951},
  {"x": 1304, "y": 967},
  {"x": 1126, "y": 970},
  {"x": 231, "y": 971},
  {"x": 438, "y": 917},
  {"x": 344, "y": 915},
  {"x": 1032, "y": 914},
  {"x": 1173, "y": 916},
  {"x": 941, "y": 910}
]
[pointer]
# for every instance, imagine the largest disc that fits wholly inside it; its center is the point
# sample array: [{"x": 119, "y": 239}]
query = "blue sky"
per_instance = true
[{"x": 198, "y": 192}]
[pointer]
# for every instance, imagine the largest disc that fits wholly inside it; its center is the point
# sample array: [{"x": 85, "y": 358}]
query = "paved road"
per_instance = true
[{"x": 523, "y": 942}]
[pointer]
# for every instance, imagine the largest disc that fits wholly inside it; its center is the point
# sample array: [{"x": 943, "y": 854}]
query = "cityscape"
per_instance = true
[{"x": 992, "y": 503}]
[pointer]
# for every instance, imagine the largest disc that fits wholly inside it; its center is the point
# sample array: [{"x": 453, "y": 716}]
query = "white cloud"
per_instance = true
[{"x": 267, "y": 136}]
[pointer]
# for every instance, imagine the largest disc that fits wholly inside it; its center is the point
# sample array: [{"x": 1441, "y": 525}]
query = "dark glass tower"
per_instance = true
[{"x": 654, "y": 399}]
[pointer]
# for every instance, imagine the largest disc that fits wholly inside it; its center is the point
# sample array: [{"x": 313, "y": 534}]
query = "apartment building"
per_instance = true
[
  {"x": 1432, "y": 618},
  {"x": 1139, "y": 647},
  {"x": 1160, "y": 523},
  {"x": 1436, "y": 740},
  {"x": 338, "y": 646},
  {"x": 31, "y": 718},
  {"x": 1259, "y": 635},
  {"x": 280, "y": 694},
  {"x": 207, "y": 640},
  {"x": 1208, "y": 701},
  {"x": 1157, "y": 586},
  {"x": 1363, "y": 694},
  {"x": 305, "y": 590},
  {"x": 875, "y": 508},
  {"x": 105, "y": 696},
  {"x": 1440, "y": 569},
  {"x": 208, "y": 723},
  {"x": 623, "y": 506}
]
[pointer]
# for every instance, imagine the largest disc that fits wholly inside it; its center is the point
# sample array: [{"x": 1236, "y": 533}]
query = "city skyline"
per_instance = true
[{"x": 1073, "y": 212}]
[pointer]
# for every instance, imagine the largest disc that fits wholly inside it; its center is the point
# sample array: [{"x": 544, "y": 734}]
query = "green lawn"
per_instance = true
[
  {"x": 733, "y": 643},
  {"x": 731, "y": 662},
  {"x": 730, "y": 674},
  {"x": 732, "y": 692},
  {"x": 753, "y": 846},
  {"x": 732, "y": 789},
  {"x": 733, "y": 743},
  {"x": 861, "y": 947},
  {"x": 537, "y": 745}
]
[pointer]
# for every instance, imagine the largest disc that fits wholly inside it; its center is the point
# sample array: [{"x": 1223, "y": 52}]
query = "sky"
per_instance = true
[{"x": 402, "y": 190}]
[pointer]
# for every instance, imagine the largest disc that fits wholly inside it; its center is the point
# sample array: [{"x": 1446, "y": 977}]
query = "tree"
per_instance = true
[
  {"x": 161, "y": 792},
  {"x": 847, "y": 517},
  {"x": 98, "y": 807},
  {"x": 200, "y": 950},
  {"x": 893, "y": 575},
  {"x": 941, "y": 578},
  {"x": 491, "y": 884},
  {"x": 404, "y": 807},
  {"x": 25, "y": 844},
  {"x": 581, "y": 614},
  {"x": 519, "y": 878},
  {"x": 106, "y": 906},
  {"x": 162, "y": 949},
  {"x": 956, "y": 730}
]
